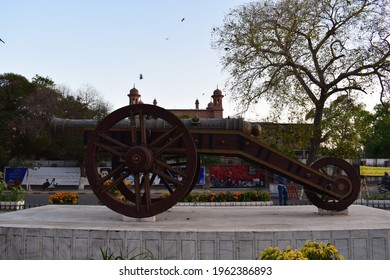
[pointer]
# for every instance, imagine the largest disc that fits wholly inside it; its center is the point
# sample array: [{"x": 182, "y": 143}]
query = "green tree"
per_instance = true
[
  {"x": 346, "y": 125},
  {"x": 13, "y": 89},
  {"x": 377, "y": 145},
  {"x": 301, "y": 54},
  {"x": 290, "y": 139},
  {"x": 26, "y": 109}
]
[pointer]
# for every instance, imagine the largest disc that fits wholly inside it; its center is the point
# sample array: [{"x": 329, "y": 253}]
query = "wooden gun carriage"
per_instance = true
[{"x": 146, "y": 142}]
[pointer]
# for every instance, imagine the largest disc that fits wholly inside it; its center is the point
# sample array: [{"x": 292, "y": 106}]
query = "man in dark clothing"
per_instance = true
[
  {"x": 282, "y": 189},
  {"x": 386, "y": 180}
]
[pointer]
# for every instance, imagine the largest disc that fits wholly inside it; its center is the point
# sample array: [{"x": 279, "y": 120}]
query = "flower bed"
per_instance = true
[
  {"x": 251, "y": 196},
  {"x": 225, "y": 198},
  {"x": 64, "y": 198}
]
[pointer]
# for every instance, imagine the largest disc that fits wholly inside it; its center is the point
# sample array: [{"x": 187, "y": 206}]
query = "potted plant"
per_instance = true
[{"x": 11, "y": 197}]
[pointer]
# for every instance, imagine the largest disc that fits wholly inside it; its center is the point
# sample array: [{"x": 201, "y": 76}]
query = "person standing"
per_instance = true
[{"x": 282, "y": 189}]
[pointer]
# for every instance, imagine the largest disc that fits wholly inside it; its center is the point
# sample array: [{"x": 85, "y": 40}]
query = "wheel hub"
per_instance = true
[{"x": 139, "y": 159}]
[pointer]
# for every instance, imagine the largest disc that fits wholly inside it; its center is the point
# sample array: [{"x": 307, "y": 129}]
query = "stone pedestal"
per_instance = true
[
  {"x": 80, "y": 232},
  {"x": 323, "y": 212},
  {"x": 139, "y": 220}
]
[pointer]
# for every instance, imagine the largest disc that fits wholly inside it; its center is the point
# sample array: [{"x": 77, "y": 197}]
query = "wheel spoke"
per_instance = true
[
  {"x": 111, "y": 149},
  {"x": 133, "y": 129},
  {"x": 324, "y": 171},
  {"x": 167, "y": 186},
  {"x": 169, "y": 178},
  {"x": 120, "y": 179},
  {"x": 163, "y": 137},
  {"x": 169, "y": 144},
  {"x": 111, "y": 174},
  {"x": 148, "y": 201},
  {"x": 113, "y": 141},
  {"x": 170, "y": 168},
  {"x": 137, "y": 186},
  {"x": 159, "y": 170},
  {"x": 142, "y": 128},
  {"x": 325, "y": 198}
]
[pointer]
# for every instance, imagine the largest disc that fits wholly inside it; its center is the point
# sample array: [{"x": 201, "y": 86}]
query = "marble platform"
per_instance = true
[{"x": 80, "y": 232}]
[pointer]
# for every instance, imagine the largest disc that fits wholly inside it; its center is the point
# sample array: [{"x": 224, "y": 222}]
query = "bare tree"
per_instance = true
[
  {"x": 85, "y": 103},
  {"x": 92, "y": 99},
  {"x": 305, "y": 52}
]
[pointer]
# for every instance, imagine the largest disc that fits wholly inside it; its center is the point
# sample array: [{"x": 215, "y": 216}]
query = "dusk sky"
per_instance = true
[{"x": 108, "y": 44}]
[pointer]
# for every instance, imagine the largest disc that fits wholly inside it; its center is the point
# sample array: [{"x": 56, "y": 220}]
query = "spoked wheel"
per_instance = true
[
  {"x": 154, "y": 160},
  {"x": 346, "y": 182},
  {"x": 382, "y": 188}
]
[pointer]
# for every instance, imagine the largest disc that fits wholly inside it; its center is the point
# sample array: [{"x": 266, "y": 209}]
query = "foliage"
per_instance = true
[
  {"x": 10, "y": 193},
  {"x": 108, "y": 255},
  {"x": 26, "y": 109},
  {"x": 210, "y": 160},
  {"x": 23, "y": 162},
  {"x": 300, "y": 54},
  {"x": 310, "y": 251},
  {"x": 287, "y": 138},
  {"x": 346, "y": 125},
  {"x": 274, "y": 253},
  {"x": 227, "y": 196},
  {"x": 64, "y": 198},
  {"x": 384, "y": 196},
  {"x": 377, "y": 145}
]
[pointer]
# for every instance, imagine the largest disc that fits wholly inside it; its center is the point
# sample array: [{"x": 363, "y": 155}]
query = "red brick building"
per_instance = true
[{"x": 213, "y": 110}]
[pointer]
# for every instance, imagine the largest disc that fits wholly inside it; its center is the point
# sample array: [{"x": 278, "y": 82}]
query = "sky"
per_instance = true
[{"x": 108, "y": 44}]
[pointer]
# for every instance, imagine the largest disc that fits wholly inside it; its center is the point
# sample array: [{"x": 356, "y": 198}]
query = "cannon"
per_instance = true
[{"x": 146, "y": 142}]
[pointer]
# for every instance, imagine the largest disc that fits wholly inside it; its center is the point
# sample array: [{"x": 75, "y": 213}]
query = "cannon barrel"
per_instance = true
[{"x": 59, "y": 126}]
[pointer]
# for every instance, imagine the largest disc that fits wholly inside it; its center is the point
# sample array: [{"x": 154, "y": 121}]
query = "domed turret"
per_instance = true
[
  {"x": 210, "y": 106},
  {"x": 217, "y": 92},
  {"x": 134, "y": 96},
  {"x": 217, "y": 99}
]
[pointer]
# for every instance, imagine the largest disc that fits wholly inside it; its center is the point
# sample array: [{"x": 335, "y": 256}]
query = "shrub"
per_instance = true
[
  {"x": 143, "y": 255},
  {"x": 310, "y": 251},
  {"x": 10, "y": 193}
]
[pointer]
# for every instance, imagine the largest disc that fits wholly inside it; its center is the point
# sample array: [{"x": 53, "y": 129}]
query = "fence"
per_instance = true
[{"x": 14, "y": 207}]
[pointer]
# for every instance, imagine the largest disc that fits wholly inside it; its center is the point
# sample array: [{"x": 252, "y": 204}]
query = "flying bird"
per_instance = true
[
  {"x": 141, "y": 76},
  {"x": 2, "y": 41},
  {"x": 183, "y": 19}
]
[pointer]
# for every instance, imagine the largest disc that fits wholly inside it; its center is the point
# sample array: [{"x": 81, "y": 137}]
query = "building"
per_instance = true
[{"x": 213, "y": 110}]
